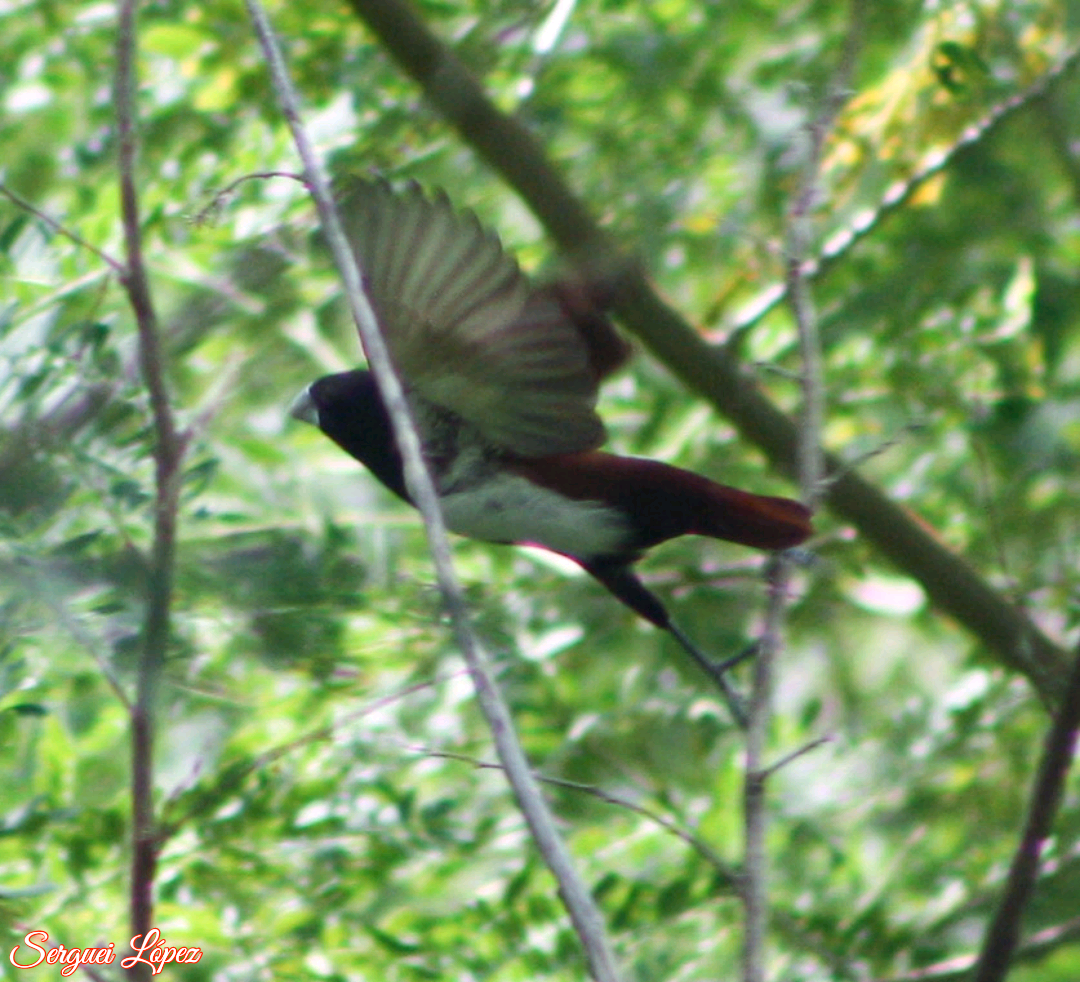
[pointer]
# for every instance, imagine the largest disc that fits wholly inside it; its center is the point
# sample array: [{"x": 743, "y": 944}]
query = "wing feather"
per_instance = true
[{"x": 464, "y": 327}]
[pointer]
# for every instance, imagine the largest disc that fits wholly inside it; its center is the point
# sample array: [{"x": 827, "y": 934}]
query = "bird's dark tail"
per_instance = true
[
  {"x": 662, "y": 501},
  {"x": 756, "y": 520}
]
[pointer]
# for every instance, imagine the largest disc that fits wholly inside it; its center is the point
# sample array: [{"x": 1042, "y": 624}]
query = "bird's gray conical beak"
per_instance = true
[{"x": 303, "y": 407}]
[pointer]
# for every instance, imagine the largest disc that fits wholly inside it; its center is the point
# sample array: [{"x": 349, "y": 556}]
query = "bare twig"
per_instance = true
[
  {"x": 167, "y": 455},
  {"x": 811, "y": 471},
  {"x": 206, "y": 214},
  {"x": 1056, "y": 118},
  {"x": 899, "y": 194},
  {"x": 1004, "y": 929},
  {"x": 850, "y": 466},
  {"x": 60, "y": 229},
  {"x": 755, "y": 822},
  {"x": 168, "y": 451},
  {"x": 729, "y": 874},
  {"x": 579, "y": 903},
  {"x": 789, "y": 758},
  {"x": 81, "y": 636},
  {"x": 236, "y": 774}
]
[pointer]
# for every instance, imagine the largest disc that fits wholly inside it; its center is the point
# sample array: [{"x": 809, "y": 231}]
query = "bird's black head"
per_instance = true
[{"x": 349, "y": 409}]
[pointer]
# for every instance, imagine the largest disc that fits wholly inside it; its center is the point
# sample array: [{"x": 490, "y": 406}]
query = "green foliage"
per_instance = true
[{"x": 322, "y": 810}]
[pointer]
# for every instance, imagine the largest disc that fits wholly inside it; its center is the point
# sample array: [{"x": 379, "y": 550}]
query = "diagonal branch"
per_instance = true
[
  {"x": 899, "y": 195},
  {"x": 728, "y": 875},
  {"x": 58, "y": 228},
  {"x": 1039, "y": 945},
  {"x": 579, "y": 903},
  {"x": 1003, "y": 931},
  {"x": 952, "y": 585}
]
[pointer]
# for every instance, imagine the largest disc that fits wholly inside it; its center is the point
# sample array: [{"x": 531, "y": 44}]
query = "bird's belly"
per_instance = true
[{"x": 509, "y": 508}]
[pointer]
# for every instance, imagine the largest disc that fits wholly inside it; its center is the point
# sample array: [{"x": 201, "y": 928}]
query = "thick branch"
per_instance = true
[{"x": 953, "y": 586}]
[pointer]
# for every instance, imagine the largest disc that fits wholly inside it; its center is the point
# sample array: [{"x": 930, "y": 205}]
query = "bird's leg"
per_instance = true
[
  {"x": 619, "y": 578},
  {"x": 716, "y": 671},
  {"x": 747, "y": 654}
]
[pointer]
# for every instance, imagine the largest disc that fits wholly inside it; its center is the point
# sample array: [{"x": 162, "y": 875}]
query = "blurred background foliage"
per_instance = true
[{"x": 322, "y": 809}]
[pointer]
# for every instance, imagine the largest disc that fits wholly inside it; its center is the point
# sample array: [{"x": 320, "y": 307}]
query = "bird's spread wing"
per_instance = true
[{"x": 465, "y": 329}]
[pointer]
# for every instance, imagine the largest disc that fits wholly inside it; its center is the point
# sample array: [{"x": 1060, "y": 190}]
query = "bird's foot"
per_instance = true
[{"x": 717, "y": 671}]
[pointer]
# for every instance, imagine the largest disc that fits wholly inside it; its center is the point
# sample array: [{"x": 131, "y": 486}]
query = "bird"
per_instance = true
[{"x": 502, "y": 378}]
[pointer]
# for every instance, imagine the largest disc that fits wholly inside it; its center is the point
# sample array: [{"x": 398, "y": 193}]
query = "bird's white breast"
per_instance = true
[{"x": 509, "y": 508}]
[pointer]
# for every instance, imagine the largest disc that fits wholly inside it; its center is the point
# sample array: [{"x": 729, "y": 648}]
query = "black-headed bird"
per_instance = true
[{"x": 502, "y": 379}]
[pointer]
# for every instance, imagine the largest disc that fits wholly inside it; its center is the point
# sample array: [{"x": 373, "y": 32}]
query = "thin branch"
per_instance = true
[
  {"x": 1039, "y": 945},
  {"x": 1056, "y": 118},
  {"x": 511, "y": 149},
  {"x": 60, "y": 229},
  {"x": 168, "y": 451},
  {"x": 811, "y": 472},
  {"x": 1004, "y": 929},
  {"x": 236, "y": 774},
  {"x": 800, "y": 236},
  {"x": 899, "y": 194},
  {"x": 579, "y": 903},
  {"x": 93, "y": 646},
  {"x": 728, "y": 873},
  {"x": 755, "y": 822},
  {"x": 877, "y": 450},
  {"x": 216, "y": 204},
  {"x": 789, "y": 758},
  {"x": 134, "y": 276}
]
